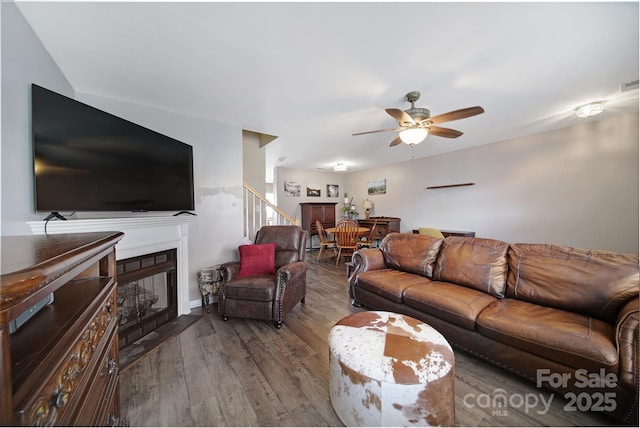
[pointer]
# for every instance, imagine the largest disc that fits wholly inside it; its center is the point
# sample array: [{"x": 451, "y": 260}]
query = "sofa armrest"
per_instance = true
[
  {"x": 367, "y": 259},
  {"x": 290, "y": 275},
  {"x": 291, "y": 288},
  {"x": 627, "y": 330},
  {"x": 291, "y": 270},
  {"x": 229, "y": 270}
]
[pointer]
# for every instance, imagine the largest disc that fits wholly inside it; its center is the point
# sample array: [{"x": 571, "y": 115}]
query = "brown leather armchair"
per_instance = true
[{"x": 268, "y": 296}]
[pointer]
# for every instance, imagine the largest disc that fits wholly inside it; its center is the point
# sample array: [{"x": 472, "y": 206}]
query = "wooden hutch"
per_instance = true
[{"x": 312, "y": 211}]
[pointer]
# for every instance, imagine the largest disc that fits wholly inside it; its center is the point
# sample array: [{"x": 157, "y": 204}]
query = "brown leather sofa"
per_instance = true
[{"x": 562, "y": 317}]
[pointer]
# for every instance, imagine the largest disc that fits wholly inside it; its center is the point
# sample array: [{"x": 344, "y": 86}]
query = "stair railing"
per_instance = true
[{"x": 258, "y": 211}]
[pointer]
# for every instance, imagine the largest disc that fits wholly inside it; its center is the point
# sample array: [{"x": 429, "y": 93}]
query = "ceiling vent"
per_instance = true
[{"x": 629, "y": 86}]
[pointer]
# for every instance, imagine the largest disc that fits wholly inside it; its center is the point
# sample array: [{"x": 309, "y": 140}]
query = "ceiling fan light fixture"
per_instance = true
[
  {"x": 413, "y": 136},
  {"x": 590, "y": 109},
  {"x": 340, "y": 167}
]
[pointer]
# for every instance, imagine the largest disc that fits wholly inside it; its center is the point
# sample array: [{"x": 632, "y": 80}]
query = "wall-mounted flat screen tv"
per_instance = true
[{"x": 88, "y": 160}]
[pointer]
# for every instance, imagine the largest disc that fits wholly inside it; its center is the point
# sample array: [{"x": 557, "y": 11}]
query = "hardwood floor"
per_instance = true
[{"x": 248, "y": 373}]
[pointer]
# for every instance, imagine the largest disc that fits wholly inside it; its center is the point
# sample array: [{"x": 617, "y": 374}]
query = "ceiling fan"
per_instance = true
[{"x": 415, "y": 123}]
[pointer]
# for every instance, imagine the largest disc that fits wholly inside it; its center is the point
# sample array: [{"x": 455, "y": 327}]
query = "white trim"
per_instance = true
[{"x": 141, "y": 236}]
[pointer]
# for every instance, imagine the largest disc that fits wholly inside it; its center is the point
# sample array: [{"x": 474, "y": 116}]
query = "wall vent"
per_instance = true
[{"x": 629, "y": 86}]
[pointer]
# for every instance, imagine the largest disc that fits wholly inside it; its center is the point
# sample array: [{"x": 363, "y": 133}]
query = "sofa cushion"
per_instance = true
[
  {"x": 257, "y": 259},
  {"x": 410, "y": 252},
  {"x": 473, "y": 262},
  {"x": 572, "y": 339},
  {"x": 590, "y": 282},
  {"x": 257, "y": 287},
  {"x": 449, "y": 302},
  {"x": 389, "y": 283}
]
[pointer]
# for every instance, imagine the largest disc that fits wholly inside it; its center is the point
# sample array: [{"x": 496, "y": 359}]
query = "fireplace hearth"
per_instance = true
[{"x": 147, "y": 294}]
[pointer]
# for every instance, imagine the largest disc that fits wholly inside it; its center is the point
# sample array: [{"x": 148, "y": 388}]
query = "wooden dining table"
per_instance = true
[{"x": 361, "y": 230}]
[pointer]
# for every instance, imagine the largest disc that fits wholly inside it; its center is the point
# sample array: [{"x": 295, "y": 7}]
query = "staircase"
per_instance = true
[{"x": 258, "y": 212}]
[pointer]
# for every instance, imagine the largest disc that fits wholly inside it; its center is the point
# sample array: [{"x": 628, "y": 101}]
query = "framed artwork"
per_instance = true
[
  {"x": 377, "y": 187},
  {"x": 333, "y": 190},
  {"x": 291, "y": 188},
  {"x": 313, "y": 190}
]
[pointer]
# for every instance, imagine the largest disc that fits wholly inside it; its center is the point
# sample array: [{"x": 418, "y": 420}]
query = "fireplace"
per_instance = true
[
  {"x": 147, "y": 294},
  {"x": 142, "y": 235}
]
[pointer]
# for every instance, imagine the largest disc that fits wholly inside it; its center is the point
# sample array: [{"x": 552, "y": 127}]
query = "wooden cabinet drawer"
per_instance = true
[
  {"x": 56, "y": 399},
  {"x": 94, "y": 410},
  {"x": 381, "y": 231},
  {"x": 384, "y": 225}
]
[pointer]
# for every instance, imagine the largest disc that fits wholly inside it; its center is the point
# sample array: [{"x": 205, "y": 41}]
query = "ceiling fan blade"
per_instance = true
[
  {"x": 379, "y": 130},
  {"x": 395, "y": 142},
  {"x": 400, "y": 115},
  {"x": 456, "y": 115},
  {"x": 444, "y": 132}
]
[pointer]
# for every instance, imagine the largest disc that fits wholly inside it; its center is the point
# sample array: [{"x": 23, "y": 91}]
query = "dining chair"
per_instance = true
[
  {"x": 369, "y": 240},
  {"x": 346, "y": 221},
  {"x": 346, "y": 239},
  {"x": 325, "y": 242}
]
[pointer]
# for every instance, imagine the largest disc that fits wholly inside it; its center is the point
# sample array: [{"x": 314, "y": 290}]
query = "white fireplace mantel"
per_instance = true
[{"x": 142, "y": 235}]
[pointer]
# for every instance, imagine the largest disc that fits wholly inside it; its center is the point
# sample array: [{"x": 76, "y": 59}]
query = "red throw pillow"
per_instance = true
[{"x": 257, "y": 259}]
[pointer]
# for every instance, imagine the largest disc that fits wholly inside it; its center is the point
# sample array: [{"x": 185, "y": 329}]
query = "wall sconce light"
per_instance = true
[
  {"x": 413, "y": 136},
  {"x": 340, "y": 167},
  {"x": 590, "y": 109}
]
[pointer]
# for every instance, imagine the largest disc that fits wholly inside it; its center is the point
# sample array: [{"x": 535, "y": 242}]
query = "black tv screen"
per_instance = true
[{"x": 88, "y": 160}]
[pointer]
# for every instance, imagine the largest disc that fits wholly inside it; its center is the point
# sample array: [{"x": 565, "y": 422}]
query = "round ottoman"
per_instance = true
[{"x": 388, "y": 369}]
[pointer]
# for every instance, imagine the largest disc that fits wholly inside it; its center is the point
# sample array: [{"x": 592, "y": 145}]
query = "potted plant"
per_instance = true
[
  {"x": 346, "y": 207},
  {"x": 353, "y": 214},
  {"x": 349, "y": 209}
]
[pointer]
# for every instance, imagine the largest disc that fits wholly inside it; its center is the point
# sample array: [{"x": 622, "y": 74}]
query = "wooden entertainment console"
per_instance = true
[
  {"x": 384, "y": 225},
  {"x": 61, "y": 366}
]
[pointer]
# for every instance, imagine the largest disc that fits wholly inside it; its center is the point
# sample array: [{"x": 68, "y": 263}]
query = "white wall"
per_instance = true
[
  {"x": 291, "y": 204},
  {"x": 216, "y": 231},
  {"x": 24, "y": 61},
  {"x": 217, "y": 147},
  {"x": 575, "y": 186}
]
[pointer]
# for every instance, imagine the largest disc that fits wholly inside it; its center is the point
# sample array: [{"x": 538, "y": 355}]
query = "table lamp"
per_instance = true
[{"x": 367, "y": 205}]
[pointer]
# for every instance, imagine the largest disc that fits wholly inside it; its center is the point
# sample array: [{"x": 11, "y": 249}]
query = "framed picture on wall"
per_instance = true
[
  {"x": 377, "y": 187},
  {"x": 313, "y": 190},
  {"x": 333, "y": 190},
  {"x": 291, "y": 188}
]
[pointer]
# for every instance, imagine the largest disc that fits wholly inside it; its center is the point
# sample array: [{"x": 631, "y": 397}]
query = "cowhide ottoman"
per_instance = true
[{"x": 388, "y": 369}]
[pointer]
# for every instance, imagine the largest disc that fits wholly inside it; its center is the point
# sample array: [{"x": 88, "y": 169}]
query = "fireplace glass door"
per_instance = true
[{"x": 147, "y": 294}]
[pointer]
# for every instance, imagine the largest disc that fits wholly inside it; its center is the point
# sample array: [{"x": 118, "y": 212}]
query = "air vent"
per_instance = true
[{"x": 629, "y": 86}]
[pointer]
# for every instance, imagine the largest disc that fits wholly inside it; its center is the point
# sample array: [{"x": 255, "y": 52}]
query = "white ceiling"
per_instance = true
[{"x": 314, "y": 73}]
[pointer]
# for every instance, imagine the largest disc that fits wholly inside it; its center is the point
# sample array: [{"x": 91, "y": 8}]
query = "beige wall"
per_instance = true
[
  {"x": 291, "y": 205},
  {"x": 575, "y": 186}
]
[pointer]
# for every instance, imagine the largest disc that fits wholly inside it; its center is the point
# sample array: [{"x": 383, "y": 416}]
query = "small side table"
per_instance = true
[{"x": 209, "y": 282}]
